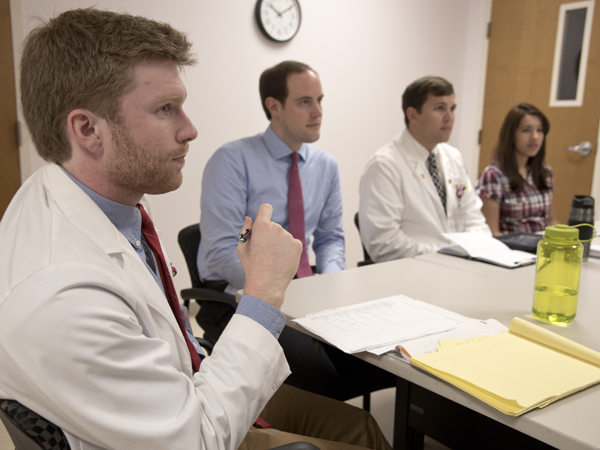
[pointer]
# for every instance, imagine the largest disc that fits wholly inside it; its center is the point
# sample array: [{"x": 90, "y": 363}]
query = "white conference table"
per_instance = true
[{"x": 475, "y": 290}]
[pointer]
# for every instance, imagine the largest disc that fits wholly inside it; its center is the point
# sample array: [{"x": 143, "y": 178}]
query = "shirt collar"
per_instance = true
[
  {"x": 421, "y": 152},
  {"x": 279, "y": 149},
  {"x": 127, "y": 219}
]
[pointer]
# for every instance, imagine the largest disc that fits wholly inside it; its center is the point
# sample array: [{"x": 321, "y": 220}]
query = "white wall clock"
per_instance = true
[{"x": 279, "y": 20}]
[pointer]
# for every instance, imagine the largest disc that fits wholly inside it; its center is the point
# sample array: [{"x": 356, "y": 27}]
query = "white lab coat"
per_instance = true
[
  {"x": 400, "y": 212},
  {"x": 88, "y": 340}
]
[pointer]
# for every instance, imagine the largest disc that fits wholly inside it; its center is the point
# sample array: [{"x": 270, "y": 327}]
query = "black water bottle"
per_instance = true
[{"x": 582, "y": 211}]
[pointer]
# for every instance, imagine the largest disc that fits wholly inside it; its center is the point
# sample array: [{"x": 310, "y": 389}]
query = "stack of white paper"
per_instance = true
[{"x": 370, "y": 325}]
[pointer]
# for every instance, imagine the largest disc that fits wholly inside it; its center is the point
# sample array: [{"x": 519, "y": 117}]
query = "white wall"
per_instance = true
[{"x": 366, "y": 52}]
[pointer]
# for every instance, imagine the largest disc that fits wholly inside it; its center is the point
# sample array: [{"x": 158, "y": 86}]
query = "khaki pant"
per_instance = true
[{"x": 297, "y": 415}]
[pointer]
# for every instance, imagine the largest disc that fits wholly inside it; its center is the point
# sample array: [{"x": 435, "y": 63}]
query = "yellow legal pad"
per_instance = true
[{"x": 515, "y": 372}]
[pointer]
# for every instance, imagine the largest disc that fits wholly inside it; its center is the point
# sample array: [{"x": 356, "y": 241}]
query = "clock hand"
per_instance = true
[
  {"x": 273, "y": 8},
  {"x": 286, "y": 10}
]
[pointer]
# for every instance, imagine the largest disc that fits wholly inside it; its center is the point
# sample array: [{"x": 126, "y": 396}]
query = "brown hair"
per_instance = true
[
  {"x": 417, "y": 92},
  {"x": 273, "y": 81},
  {"x": 85, "y": 58},
  {"x": 504, "y": 152}
]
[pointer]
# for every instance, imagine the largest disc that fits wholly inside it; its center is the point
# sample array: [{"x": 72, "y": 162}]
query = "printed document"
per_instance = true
[{"x": 373, "y": 324}]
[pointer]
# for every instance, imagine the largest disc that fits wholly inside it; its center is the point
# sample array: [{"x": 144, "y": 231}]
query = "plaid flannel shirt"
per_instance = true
[{"x": 525, "y": 211}]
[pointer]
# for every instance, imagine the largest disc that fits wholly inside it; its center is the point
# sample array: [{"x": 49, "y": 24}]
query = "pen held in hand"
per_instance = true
[{"x": 245, "y": 235}]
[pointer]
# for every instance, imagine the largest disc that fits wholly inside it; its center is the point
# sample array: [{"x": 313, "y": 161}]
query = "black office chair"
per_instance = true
[
  {"x": 189, "y": 241},
  {"x": 368, "y": 259},
  {"x": 30, "y": 431}
]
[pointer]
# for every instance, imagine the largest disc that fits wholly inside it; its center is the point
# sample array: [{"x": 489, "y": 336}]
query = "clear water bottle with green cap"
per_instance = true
[{"x": 557, "y": 273}]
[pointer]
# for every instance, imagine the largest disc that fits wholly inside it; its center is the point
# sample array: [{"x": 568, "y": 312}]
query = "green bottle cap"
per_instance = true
[{"x": 562, "y": 232}]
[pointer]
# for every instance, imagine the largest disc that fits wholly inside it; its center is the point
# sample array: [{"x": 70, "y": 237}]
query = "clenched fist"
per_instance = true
[{"x": 270, "y": 258}]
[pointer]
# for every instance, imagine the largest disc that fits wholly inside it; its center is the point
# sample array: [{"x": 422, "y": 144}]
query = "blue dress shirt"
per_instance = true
[
  {"x": 128, "y": 220},
  {"x": 244, "y": 174}
]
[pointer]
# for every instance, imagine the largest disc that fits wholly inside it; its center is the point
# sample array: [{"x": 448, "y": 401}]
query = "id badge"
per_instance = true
[{"x": 459, "y": 213}]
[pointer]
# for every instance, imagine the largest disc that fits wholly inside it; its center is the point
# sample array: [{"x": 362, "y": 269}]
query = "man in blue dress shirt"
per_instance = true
[
  {"x": 243, "y": 174},
  {"x": 246, "y": 173}
]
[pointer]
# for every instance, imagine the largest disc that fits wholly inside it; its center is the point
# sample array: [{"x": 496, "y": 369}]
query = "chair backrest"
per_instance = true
[
  {"x": 30, "y": 431},
  {"x": 365, "y": 254},
  {"x": 189, "y": 241},
  {"x": 297, "y": 446}
]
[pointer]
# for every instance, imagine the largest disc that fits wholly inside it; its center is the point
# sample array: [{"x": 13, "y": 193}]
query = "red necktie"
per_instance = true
[
  {"x": 296, "y": 215},
  {"x": 152, "y": 239}
]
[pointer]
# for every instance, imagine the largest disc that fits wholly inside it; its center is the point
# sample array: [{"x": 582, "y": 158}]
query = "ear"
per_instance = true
[
  {"x": 273, "y": 106},
  {"x": 411, "y": 114},
  {"x": 87, "y": 129}
]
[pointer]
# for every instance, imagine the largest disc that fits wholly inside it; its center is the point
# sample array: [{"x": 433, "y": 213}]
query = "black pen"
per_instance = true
[{"x": 245, "y": 235}]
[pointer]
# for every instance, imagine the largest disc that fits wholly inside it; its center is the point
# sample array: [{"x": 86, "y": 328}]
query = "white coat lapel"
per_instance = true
[
  {"x": 418, "y": 157},
  {"x": 84, "y": 214},
  {"x": 430, "y": 186},
  {"x": 455, "y": 185}
]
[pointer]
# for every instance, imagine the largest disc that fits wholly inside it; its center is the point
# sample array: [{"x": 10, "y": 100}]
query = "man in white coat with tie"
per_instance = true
[
  {"x": 416, "y": 187},
  {"x": 92, "y": 337}
]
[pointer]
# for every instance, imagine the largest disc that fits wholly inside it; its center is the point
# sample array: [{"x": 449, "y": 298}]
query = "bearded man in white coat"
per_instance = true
[
  {"x": 416, "y": 187},
  {"x": 92, "y": 337}
]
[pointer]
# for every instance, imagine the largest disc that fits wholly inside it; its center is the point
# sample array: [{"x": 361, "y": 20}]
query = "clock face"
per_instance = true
[{"x": 279, "y": 20}]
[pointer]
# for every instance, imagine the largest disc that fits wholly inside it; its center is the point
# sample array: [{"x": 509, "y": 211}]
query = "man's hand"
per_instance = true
[{"x": 270, "y": 258}]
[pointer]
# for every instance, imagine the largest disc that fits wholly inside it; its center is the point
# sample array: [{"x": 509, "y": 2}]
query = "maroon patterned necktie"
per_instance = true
[
  {"x": 152, "y": 240},
  {"x": 296, "y": 215}
]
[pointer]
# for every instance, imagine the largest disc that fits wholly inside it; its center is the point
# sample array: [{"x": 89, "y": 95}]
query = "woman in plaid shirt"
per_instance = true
[{"x": 516, "y": 189}]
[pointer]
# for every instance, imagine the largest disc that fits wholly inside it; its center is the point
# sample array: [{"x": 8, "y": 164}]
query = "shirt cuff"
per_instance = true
[
  {"x": 333, "y": 266},
  {"x": 261, "y": 312}
]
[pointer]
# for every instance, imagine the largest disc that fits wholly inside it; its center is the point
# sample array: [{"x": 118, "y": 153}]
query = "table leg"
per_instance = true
[{"x": 405, "y": 437}]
